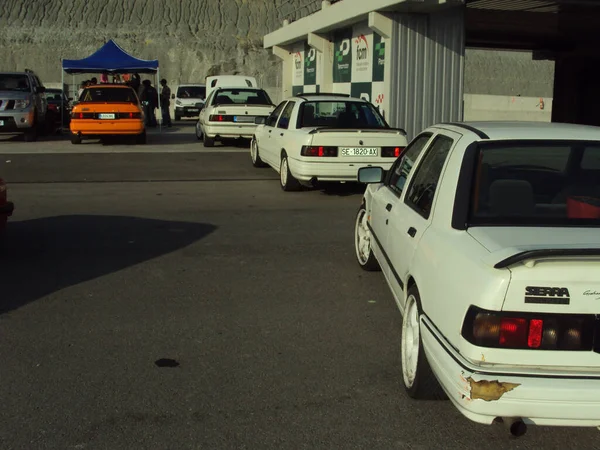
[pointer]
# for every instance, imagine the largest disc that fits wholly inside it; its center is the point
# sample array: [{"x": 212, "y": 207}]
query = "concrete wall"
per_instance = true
[{"x": 504, "y": 107}]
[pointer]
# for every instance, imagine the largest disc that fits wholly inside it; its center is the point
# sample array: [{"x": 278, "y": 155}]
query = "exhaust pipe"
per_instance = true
[{"x": 515, "y": 425}]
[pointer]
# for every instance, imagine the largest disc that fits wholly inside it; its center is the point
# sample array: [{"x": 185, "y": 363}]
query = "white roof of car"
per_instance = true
[
  {"x": 333, "y": 98},
  {"x": 502, "y": 130}
]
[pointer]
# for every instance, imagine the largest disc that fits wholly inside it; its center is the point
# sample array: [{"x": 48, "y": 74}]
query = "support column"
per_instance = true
[
  {"x": 324, "y": 47},
  {"x": 286, "y": 79},
  {"x": 384, "y": 26}
]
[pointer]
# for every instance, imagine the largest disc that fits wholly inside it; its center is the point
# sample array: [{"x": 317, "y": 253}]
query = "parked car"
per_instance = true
[
  {"x": 189, "y": 100},
  {"x": 23, "y": 104},
  {"x": 239, "y": 81},
  {"x": 6, "y": 207},
  {"x": 57, "y": 101},
  {"x": 324, "y": 137},
  {"x": 488, "y": 237},
  {"x": 108, "y": 110},
  {"x": 230, "y": 113}
]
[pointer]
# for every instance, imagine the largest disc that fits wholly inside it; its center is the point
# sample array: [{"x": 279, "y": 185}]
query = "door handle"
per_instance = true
[
  {"x": 270, "y": 131},
  {"x": 388, "y": 206},
  {"x": 412, "y": 231},
  {"x": 281, "y": 134}
]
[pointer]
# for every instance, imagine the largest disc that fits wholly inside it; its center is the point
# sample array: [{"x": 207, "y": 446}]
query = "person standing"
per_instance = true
[{"x": 165, "y": 103}]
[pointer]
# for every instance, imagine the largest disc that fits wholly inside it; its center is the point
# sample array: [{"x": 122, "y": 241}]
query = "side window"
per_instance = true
[
  {"x": 403, "y": 167},
  {"x": 284, "y": 120},
  {"x": 272, "y": 119},
  {"x": 424, "y": 183},
  {"x": 591, "y": 159}
]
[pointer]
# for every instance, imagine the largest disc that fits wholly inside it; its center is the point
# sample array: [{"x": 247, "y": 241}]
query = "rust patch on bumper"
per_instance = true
[{"x": 489, "y": 390}]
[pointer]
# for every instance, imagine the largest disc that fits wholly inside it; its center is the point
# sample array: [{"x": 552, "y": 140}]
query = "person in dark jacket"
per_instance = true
[{"x": 149, "y": 99}]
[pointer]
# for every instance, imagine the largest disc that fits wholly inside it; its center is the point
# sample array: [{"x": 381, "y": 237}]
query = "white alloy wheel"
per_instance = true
[
  {"x": 362, "y": 242},
  {"x": 410, "y": 342},
  {"x": 283, "y": 172},
  {"x": 253, "y": 152}
]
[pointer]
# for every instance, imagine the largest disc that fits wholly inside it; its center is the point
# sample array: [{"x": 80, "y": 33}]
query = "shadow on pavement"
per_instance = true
[
  {"x": 41, "y": 256},
  {"x": 341, "y": 189}
]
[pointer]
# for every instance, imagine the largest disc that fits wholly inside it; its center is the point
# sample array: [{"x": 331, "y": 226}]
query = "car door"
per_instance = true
[
  {"x": 281, "y": 134},
  {"x": 265, "y": 142},
  {"x": 387, "y": 196},
  {"x": 412, "y": 214}
]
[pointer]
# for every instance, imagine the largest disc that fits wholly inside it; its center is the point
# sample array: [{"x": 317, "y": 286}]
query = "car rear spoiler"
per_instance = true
[
  {"x": 361, "y": 130},
  {"x": 545, "y": 253}
]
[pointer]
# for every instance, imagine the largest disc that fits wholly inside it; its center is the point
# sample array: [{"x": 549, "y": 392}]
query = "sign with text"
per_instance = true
[
  {"x": 310, "y": 65},
  {"x": 378, "y": 57},
  {"x": 342, "y": 58}
]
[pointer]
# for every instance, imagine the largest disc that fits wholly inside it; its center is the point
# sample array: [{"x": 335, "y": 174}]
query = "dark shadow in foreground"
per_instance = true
[
  {"x": 41, "y": 256},
  {"x": 341, "y": 189}
]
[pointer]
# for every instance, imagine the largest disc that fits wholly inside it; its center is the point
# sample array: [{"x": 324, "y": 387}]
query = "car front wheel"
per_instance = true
[
  {"x": 362, "y": 242},
  {"x": 419, "y": 380},
  {"x": 256, "y": 161}
]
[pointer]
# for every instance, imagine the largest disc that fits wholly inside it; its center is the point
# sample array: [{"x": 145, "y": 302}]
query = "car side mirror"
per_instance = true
[
  {"x": 370, "y": 175},
  {"x": 260, "y": 120}
]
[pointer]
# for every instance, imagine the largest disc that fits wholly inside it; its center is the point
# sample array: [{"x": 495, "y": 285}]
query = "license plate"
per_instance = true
[
  {"x": 359, "y": 151},
  {"x": 106, "y": 116},
  {"x": 192, "y": 110},
  {"x": 1, "y": 123},
  {"x": 248, "y": 119}
]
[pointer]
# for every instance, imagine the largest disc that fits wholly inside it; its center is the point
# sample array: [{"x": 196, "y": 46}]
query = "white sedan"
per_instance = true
[
  {"x": 324, "y": 137},
  {"x": 488, "y": 237},
  {"x": 230, "y": 113}
]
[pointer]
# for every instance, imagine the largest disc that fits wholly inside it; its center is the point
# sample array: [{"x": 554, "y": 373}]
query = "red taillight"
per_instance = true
[
  {"x": 534, "y": 339},
  {"x": 77, "y": 115},
  {"x": 541, "y": 331},
  {"x": 52, "y": 106},
  {"x": 220, "y": 118},
  {"x": 391, "y": 152},
  {"x": 318, "y": 151}
]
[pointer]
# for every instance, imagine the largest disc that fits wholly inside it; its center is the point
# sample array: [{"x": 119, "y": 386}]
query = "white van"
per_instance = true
[
  {"x": 189, "y": 100},
  {"x": 229, "y": 81}
]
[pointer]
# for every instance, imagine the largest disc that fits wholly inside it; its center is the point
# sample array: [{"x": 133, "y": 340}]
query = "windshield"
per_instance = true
[
  {"x": 108, "y": 95},
  {"x": 191, "y": 92},
  {"x": 537, "y": 183},
  {"x": 241, "y": 97},
  {"x": 337, "y": 114},
  {"x": 14, "y": 82}
]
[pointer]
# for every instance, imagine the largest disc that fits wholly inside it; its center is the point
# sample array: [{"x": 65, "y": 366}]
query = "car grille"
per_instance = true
[{"x": 8, "y": 105}]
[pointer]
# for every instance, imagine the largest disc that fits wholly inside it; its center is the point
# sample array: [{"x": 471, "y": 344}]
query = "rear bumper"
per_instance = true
[
  {"x": 233, "y": 130},
  {"x": 103, "y": 128},
  {"x": 552, "y": 400},
  {"x": 7, "y": 209},
  {"x": 15, "y": 121},
  {"x": 337, "y": 170}
]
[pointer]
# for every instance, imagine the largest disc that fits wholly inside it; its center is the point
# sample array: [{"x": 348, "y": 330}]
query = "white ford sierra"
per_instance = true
[{"x": 488, "y": 235}]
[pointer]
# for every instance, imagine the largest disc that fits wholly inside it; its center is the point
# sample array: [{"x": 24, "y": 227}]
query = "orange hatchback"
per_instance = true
[{"x": 107, "y": 110}]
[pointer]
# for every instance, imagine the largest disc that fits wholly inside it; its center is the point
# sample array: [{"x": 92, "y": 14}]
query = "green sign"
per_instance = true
[
  {"x": 361, "y": 90},
  {"x": 310, "y": 65},
  {"x": 297, "y": 90},
  {"x": 342, "y": 59},
  {"x": 378, "y": 58}
]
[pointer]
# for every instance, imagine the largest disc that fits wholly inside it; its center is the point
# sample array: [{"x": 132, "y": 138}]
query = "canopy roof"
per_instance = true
[{"x": 110, "y": 58}]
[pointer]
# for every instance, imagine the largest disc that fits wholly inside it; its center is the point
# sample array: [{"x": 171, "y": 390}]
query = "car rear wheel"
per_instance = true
[
  {"x": 286, "y": 179},
  {"x": 75, "y": 139},
  {"x": 256, "y": 161},
  {"x": 362, "y": 242},
  {"x": 208, "y": 142},
  {"x": 177, "y": 117},
  {"x": 419, "y": 380},
  {"x": 141, "y": 138}
]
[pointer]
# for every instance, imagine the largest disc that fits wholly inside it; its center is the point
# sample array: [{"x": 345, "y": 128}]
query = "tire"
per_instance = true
[
  {"x": 141, "y": 138},
  {"x": 208, "y": 142},
  {"x": 31, "y": 135},
  {"x": 286, "y": 179},
  {"x": 362, "y": 242},
  {"x": 177, "y": 117},
  {"x": 417, "y": 376},
  {"x": 198, "y": 132},
  {"x": 254, "y": 155},
  {"x": 75, "y": 139}
]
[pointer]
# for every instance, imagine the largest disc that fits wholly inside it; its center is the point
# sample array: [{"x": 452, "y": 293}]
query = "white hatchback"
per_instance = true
[
  {"x": 324, "y": 137},
  {"x": 488, "y": 237}
]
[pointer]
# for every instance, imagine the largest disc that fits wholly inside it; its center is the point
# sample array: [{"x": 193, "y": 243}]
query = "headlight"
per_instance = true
[
  {"x": 22, "y": 104},
  {"x": 178, "y": 102}
]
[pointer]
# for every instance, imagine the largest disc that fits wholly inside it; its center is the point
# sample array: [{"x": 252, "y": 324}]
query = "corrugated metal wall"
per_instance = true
[{"x": 427, "y": 70}]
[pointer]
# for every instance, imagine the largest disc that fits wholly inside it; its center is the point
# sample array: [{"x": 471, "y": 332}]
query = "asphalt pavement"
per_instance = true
[{"x": 181, "y": 300}]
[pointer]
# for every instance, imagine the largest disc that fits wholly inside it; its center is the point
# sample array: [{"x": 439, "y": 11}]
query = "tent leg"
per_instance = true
[
  {"x": 157, "y": 82},
  {"x": 62, "y": 101}
]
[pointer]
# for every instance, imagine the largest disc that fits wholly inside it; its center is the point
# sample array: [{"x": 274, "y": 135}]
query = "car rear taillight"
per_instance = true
[
  {"x": 529, "y": 330},
  {"x": 52, "y": 106},
  {"x": 318, "y": 151},
  {"x": 391, "y": 152},
  {"x": 130, "y": 115},
  {"x": 77, "y": 116},
  {"x": 220, "y": 118}
]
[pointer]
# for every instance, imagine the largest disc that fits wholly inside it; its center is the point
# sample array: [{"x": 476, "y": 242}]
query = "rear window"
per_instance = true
[
  {"x": 241, "y": 97},
  {"x": 191, "y": 92},
  {"x": 108, "y": 95},
  {"x": 537, "y": 183},
  {"x": 336, "y": 114}
]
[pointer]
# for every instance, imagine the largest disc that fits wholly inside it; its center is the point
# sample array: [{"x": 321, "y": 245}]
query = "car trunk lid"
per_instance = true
[{"x": 242, "y": 113}]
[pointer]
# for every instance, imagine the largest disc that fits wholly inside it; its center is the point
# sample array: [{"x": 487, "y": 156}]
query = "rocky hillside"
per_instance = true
[{"x": 191, "y": 38}]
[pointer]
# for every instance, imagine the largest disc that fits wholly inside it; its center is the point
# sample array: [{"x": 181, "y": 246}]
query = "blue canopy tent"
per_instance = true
[{"x": 112, "y": 59}]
